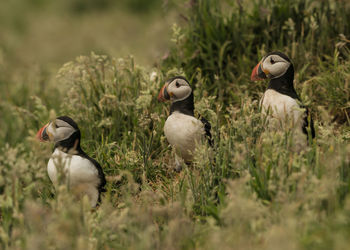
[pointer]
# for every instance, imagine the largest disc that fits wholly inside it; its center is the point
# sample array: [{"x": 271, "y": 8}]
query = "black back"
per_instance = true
[
  {"x": 306, "y": 123},
  {"x": 207, "y": 128}
]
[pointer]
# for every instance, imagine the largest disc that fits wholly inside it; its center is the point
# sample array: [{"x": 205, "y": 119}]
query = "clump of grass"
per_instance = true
[{"x": 331, "y": 87}]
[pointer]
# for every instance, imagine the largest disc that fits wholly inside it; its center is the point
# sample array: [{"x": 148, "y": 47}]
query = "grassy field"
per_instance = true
[{"x": 251, "y": 192}]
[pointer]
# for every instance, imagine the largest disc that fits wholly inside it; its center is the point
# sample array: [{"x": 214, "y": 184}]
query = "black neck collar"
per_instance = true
[
  {"x": 284, "y": 84},
  {"x": 185, "y": 106},
  {"x": 71, "y": 145}
]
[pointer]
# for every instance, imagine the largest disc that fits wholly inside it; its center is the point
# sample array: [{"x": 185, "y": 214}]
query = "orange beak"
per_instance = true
[
  {"x": 163, "y": 94},
  {"x": 258, "y": 73},
  {"x": 42, "y": 134}
]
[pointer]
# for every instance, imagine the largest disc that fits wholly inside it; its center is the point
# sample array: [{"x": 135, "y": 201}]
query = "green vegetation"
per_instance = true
[{"x": 257, "y": 194}]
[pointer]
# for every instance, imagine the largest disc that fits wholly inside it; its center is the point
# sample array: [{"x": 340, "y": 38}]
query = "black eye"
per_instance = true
[
  {"x": 56, "y": 126},
  {"x": 272, "y": 61},
  {"x": 177, "y": 84}
]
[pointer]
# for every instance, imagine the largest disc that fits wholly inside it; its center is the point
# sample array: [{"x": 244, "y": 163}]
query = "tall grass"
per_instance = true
[
  {"x": 251, "y": 191},
  {"x": 225, "y": 39}
]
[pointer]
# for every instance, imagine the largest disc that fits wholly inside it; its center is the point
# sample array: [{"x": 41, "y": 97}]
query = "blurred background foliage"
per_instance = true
[
  {"x": 37, "y": 37},
  {"x": 74, "y": 57}
]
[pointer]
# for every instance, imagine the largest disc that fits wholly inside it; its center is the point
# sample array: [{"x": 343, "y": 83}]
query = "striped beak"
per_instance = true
[
  {"x": 258, "y": 73},
  {"x": 163, "y": 94},
  {"x": 42, "y": 134}
]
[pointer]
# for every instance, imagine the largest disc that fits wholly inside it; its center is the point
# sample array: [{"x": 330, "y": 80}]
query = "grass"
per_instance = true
[{"x": 257, "y": 193}]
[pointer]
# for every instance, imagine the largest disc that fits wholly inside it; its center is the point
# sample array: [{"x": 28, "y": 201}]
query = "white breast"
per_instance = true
[
  {"x": 80, "y": 173},
  {"x": 284, "y": 113},
  {"x": 282, "y": 108},
  {"x": 183, "y": 132}
]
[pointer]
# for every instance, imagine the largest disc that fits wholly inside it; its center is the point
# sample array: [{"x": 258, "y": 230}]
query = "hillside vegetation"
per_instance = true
[{"x": 252, "y": 191}]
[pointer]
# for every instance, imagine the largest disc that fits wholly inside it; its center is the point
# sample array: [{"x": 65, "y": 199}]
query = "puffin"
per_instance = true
[
  {"x": 182, "y": 129},
  {"x": 84, "y": 175},
  {"x": 280, "y": 101}
]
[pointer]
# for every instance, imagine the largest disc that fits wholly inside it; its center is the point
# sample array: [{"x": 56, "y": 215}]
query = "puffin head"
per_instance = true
[
  {"x": 63, "y": 130},
  {"x": 272, "y": 66},
  {"x": 175, "y": 89}
]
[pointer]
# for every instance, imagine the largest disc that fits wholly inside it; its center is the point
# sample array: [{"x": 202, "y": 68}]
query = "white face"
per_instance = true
[
  {"x": 59, "y": 130},
  {"x": 178, "y": 89},
  {"x": 274, "y": 66}
]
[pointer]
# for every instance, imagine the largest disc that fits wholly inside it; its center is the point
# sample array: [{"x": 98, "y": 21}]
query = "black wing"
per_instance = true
[
  {"x": 101, "y": 175},
  {"x": 306, "y": 123},
  {"x": 207, "y": 128}
]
